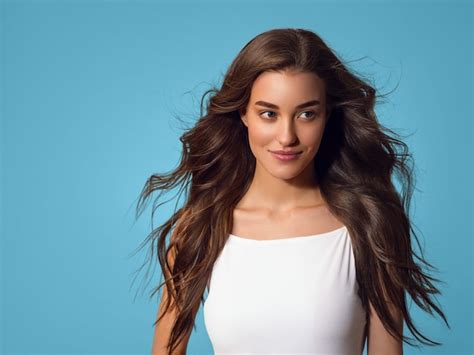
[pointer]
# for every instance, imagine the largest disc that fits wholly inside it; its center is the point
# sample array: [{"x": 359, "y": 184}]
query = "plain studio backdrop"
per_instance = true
[{"x": 89, "y": 90}]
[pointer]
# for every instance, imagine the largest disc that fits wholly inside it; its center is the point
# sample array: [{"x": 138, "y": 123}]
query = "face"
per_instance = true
[{"x": 286, "y": 111}]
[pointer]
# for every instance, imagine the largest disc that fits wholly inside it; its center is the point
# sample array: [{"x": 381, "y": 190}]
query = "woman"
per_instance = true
[{"x": 291, "y": 221}]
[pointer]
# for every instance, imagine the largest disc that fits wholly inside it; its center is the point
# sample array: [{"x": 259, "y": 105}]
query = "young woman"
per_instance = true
[{"x": 291, "y": 220}]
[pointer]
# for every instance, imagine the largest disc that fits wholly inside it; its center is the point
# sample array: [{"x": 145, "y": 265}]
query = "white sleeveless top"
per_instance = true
[{"x": 295, "y": 295}]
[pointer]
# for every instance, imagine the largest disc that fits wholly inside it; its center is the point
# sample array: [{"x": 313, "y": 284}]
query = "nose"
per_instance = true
[{"x": 286, "y": 132}]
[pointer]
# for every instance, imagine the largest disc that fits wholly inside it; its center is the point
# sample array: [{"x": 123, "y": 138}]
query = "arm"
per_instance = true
[
  {"x": 163, "y": 327},
  {"x": 379, "y": 340},
  {"x": 162, "y": 333}
]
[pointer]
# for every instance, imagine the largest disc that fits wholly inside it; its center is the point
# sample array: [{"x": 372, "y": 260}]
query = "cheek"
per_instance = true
[
  {"x": 260, "y": 135},
  {"x": 311, "y": 139}
]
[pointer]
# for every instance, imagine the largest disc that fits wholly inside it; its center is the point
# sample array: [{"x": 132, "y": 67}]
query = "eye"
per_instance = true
[
  {"x": 311, "y": 116},
  {"x": 266, "y": 112}
]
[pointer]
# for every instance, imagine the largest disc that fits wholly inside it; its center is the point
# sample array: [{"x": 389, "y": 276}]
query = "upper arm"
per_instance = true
[
  {"x": 163, "y": 327},
  {"x": 379, "y": 340}
]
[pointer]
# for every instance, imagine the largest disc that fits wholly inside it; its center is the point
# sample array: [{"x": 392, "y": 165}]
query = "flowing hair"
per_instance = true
[{"x": 354, "y": 166}]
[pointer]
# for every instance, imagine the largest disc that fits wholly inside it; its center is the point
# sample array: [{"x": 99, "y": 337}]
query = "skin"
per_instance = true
[
  {"x": 284, "y": 198},
  {"x": 281, "y": 186}
]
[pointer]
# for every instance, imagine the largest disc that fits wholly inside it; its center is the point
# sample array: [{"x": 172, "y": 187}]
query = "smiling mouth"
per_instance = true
[
  {"x": 286, "y": 156},
  {"x": 281, "y": 152}
]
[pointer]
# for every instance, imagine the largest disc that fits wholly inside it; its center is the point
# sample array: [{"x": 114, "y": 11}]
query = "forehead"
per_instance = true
[{"x": 287, "y": 86}]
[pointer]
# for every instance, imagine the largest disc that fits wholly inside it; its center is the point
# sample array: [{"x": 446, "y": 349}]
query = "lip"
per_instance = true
[
  {"x": 285, "y": 152},
  {"x": 286, "y": 156}
]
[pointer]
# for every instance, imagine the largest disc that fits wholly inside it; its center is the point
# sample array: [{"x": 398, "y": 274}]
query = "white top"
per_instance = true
[{"x": 295, "y": 295}]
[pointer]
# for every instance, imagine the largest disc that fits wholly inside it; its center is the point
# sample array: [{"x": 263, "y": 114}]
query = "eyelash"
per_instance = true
[{"x": 309, "y": 119}]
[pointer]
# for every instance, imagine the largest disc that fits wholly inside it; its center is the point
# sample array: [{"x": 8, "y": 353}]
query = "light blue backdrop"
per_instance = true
[{"x": 88, "y": 94}]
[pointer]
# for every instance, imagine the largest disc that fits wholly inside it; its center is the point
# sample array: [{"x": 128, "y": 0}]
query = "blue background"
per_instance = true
[{"x": 89, "y": 90}]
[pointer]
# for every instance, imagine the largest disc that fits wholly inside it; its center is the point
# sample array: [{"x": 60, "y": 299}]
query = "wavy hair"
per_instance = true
[{"x": 354, "y": 165}]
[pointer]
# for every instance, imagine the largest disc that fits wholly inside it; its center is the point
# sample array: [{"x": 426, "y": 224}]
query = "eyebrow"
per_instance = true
[{"x": 303, "y": 105}]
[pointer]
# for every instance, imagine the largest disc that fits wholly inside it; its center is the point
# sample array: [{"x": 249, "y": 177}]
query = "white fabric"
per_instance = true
[{"x": 296, "y": 295}]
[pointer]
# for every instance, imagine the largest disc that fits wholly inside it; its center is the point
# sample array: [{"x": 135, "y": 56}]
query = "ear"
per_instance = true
[{"x": 243, "y": 118}]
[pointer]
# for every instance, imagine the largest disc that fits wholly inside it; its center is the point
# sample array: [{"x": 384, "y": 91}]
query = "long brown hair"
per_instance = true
[{"x": 355, "y": 164}]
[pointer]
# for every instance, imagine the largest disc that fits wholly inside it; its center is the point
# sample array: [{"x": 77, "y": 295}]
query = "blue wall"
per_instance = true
[{"x": 89, "y": 90}]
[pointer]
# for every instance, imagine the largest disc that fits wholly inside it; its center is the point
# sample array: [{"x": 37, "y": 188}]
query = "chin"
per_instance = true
[{"x": 286, "y": 172}]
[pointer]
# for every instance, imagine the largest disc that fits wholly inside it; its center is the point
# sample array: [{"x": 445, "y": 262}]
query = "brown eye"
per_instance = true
[
  {"x": 266, "y": 112},
  {"x": 311, "y": 116}
]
